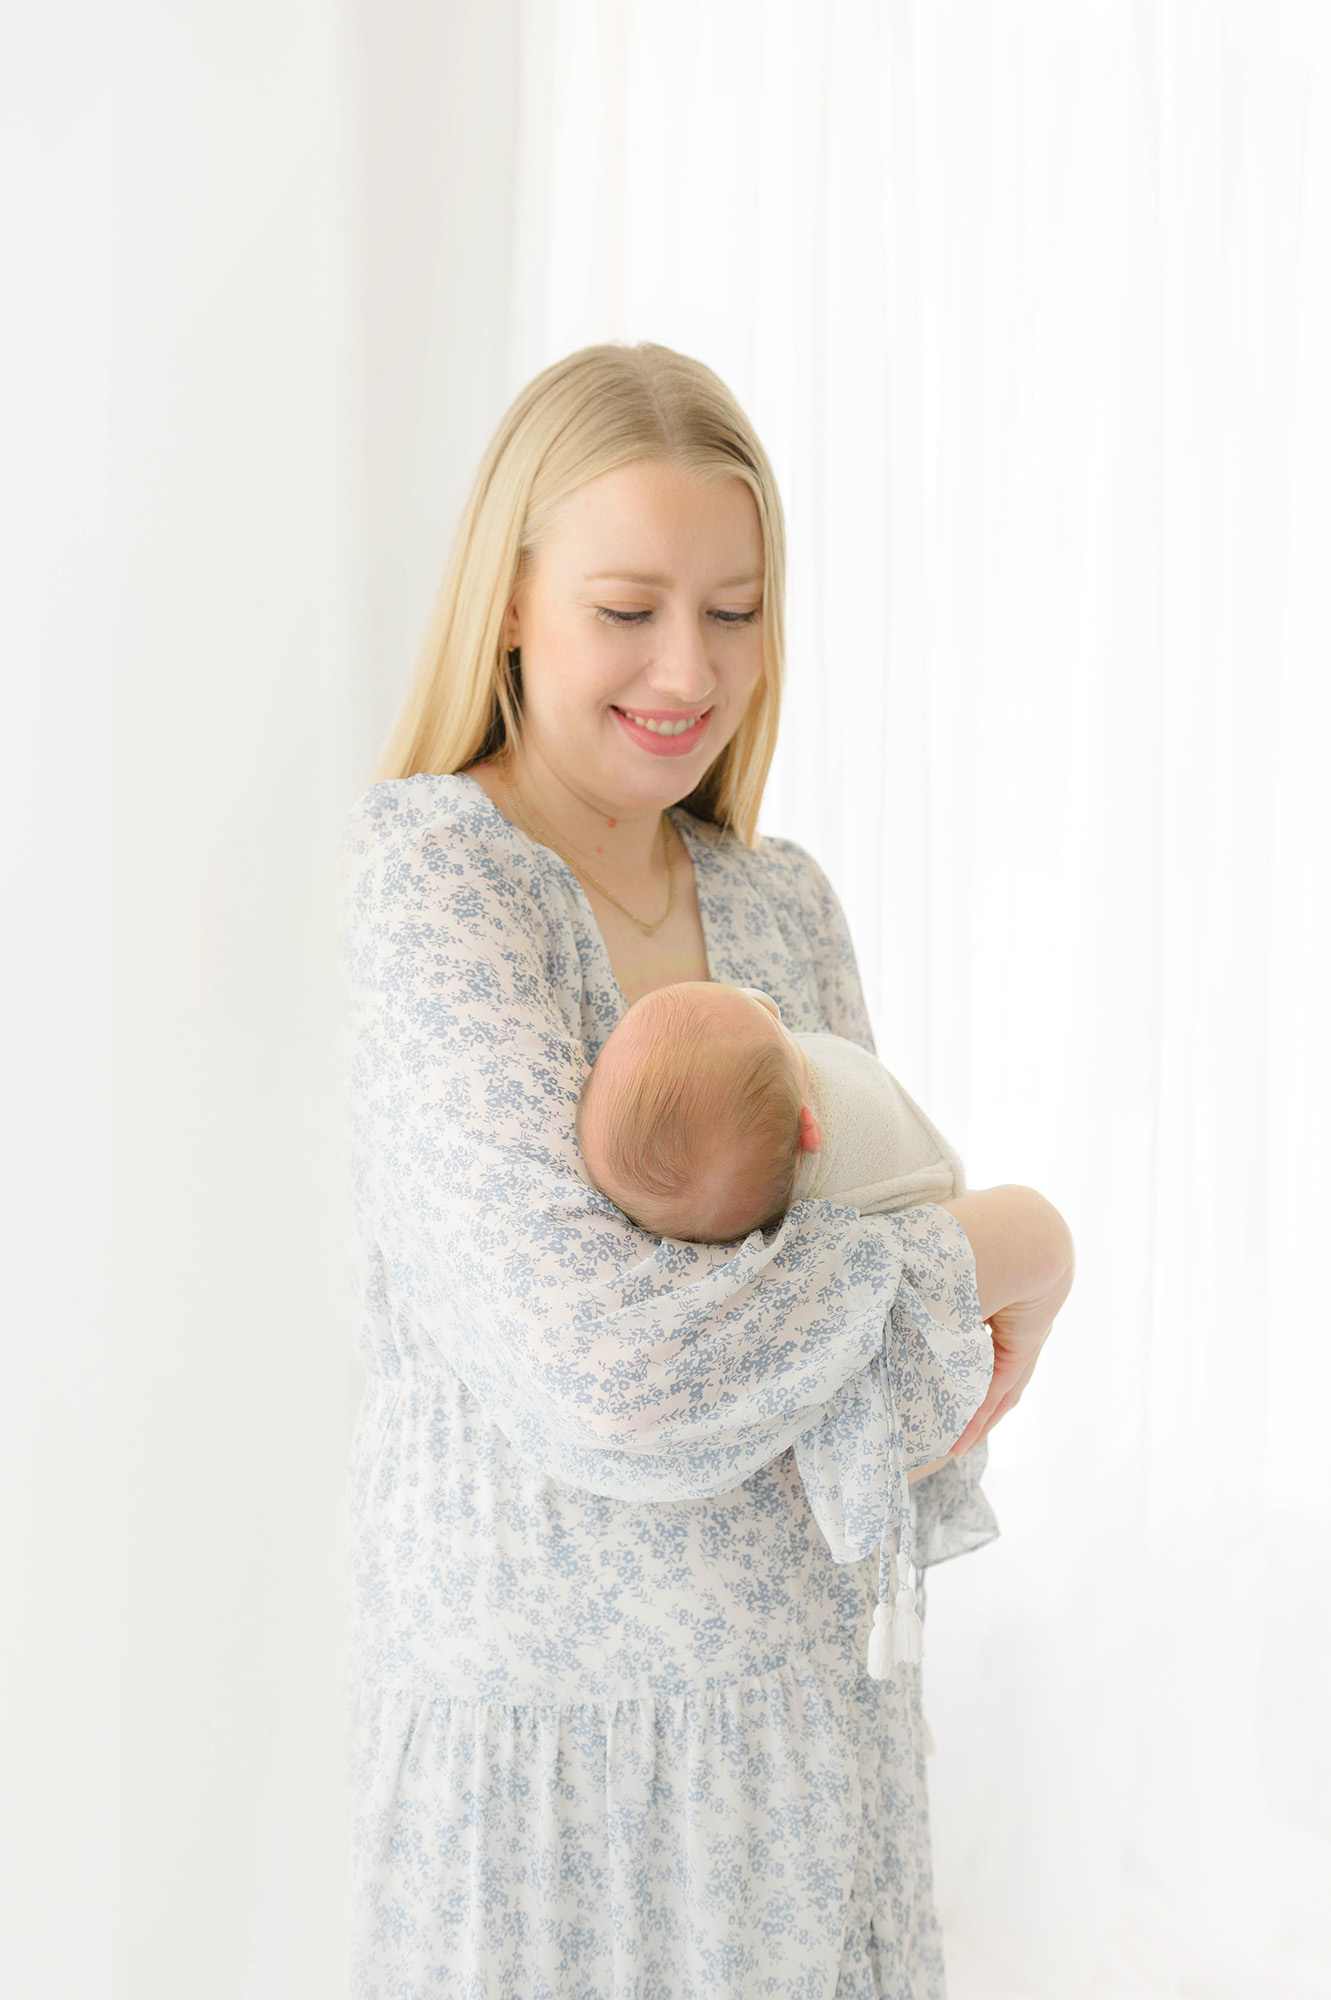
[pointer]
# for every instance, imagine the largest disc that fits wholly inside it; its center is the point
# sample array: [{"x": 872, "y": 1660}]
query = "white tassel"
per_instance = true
[
  {"x": 907, "y": 1631},
  {"x": 880, "y": 1643}
]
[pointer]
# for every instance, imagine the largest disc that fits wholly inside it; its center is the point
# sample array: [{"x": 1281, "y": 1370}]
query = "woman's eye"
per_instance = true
[{"x": 613, "y": 617}]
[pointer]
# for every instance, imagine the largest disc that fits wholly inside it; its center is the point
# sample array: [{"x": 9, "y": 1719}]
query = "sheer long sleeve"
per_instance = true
[
  {"x": 625, "y": 1365},
  {"x": 841, "y": 1458}
]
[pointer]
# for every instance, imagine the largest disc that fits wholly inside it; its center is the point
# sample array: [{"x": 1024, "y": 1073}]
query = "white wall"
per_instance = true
[
  {"x": 437, "y": 102},
  {"x": 256, "y": 258},
  {"x": 235, "y": 608},
  {"x": 57, "y": 1462},
  {"x": 186, "y": 730}
]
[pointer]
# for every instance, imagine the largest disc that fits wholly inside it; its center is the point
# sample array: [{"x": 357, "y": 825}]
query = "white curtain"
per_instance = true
[{"x": 1031, "y": 304}]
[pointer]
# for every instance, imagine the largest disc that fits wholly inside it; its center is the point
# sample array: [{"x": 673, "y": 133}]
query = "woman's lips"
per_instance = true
[{"x": 662, "y": 741}]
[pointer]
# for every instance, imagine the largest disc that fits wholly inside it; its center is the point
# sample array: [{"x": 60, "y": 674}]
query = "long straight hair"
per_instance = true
[{"x": 598, "y": 409}]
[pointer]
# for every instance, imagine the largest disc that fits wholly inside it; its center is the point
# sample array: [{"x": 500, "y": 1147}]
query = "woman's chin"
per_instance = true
[
  {"x": 653, "y": 777},
  {"x": 654, "y": 790}
]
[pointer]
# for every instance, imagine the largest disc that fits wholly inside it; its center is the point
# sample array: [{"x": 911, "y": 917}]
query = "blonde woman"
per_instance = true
[{"x": 629, "y": 1515}]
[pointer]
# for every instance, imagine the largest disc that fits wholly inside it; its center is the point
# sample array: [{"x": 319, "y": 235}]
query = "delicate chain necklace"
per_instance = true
[{"x": 543, "y": 839}]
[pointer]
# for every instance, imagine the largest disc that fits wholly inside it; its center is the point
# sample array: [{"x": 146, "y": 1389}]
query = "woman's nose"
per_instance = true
[{"x": 680, "y": 666}]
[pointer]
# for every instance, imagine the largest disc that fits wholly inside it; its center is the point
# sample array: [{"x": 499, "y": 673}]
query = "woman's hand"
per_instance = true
[
  {"x": 1019, "y": 1332},
  {"x": 1024, "y": 1267}
]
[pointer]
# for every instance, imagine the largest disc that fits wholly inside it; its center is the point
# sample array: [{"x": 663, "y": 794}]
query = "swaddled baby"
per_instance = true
[{"x": 704, "y": 1118}]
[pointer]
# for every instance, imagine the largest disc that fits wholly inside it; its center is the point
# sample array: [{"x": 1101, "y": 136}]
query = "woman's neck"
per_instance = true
[
  {"x": 624, "y": 846},
  {"x": 621, "y": 854}
]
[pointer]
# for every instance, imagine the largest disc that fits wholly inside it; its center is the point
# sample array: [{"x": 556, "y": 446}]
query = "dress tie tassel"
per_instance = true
[
  {"x": 897, "y": 1636},
  {"x": 880, "y": 1643},
  {"x": 907, "y": 1630}
]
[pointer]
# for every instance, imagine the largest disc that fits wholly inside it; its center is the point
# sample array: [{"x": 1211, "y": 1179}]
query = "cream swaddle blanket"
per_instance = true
[{"x": 879, "y": 1152}]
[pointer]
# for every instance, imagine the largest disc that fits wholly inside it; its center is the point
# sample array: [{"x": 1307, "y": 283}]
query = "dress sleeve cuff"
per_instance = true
[
  {"x": 952, "y": 1515},
  {"x": 932, "y": 1375}
]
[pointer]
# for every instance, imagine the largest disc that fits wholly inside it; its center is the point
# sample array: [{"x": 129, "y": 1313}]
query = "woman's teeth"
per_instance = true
[{"x": 664, "y": 728}]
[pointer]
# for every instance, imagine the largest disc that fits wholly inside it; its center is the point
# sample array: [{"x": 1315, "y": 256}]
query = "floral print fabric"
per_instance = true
[{"x": 613, "y": 1735}]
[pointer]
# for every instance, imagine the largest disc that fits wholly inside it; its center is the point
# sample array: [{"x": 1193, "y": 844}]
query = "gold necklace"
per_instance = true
[{"x": 543, "y": 839}]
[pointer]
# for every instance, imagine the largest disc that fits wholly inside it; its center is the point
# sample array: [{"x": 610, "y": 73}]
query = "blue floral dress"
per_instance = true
[{"x": 611, "y": 1498}]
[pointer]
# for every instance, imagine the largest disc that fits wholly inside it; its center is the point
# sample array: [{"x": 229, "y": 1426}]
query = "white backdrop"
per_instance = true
[
  {"x": 1030, "y": 302},
  {"x": 183, "y": 728}
]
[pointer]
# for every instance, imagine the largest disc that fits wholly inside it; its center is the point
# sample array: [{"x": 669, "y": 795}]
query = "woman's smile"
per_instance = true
[{"x": 664, "y": 732}]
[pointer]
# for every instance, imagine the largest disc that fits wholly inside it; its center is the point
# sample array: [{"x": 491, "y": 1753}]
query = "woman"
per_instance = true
[{"x": 615, "y": 1735}]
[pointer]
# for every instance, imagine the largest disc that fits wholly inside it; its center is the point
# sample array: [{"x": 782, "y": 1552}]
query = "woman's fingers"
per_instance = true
[
  {"x": 979, "y": 1423},
  {"x": 1009, "y": 1402},
  {"x": 1018, "y": 1332},
  {"x": 983, "y": 1422},
  {"x": 1012, "y": 1371}
]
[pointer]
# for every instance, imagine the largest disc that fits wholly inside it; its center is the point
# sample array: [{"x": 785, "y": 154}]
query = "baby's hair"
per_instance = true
[{"x": 693, "y": 1089}]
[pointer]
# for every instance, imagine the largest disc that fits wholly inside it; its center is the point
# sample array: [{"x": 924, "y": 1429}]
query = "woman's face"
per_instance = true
[{"x": 642, "y": 606}]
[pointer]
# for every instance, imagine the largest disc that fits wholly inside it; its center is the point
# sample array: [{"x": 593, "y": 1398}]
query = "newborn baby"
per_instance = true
[{"x": 704, "y": 1118}]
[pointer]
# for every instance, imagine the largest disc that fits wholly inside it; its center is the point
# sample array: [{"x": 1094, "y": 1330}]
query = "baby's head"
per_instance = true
[{"x": 697, "y": 1113}]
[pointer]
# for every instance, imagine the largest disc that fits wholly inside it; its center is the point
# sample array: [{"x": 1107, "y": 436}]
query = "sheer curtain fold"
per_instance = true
[{"x": 1028, "y": 303}]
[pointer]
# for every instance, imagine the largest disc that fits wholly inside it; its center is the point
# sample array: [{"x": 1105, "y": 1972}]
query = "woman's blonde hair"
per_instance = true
[{"x": 598, "y": 409}]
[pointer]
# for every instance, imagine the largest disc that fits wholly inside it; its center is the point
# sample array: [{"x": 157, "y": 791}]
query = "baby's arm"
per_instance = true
[{"x": 1024, "y": 1266}]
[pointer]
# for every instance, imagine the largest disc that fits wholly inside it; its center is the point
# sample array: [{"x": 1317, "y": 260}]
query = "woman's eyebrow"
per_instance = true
[{"x": 661, "y": 582}]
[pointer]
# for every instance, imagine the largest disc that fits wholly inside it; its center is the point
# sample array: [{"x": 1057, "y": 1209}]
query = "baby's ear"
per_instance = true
[{"x": 811, "y": 1132}]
